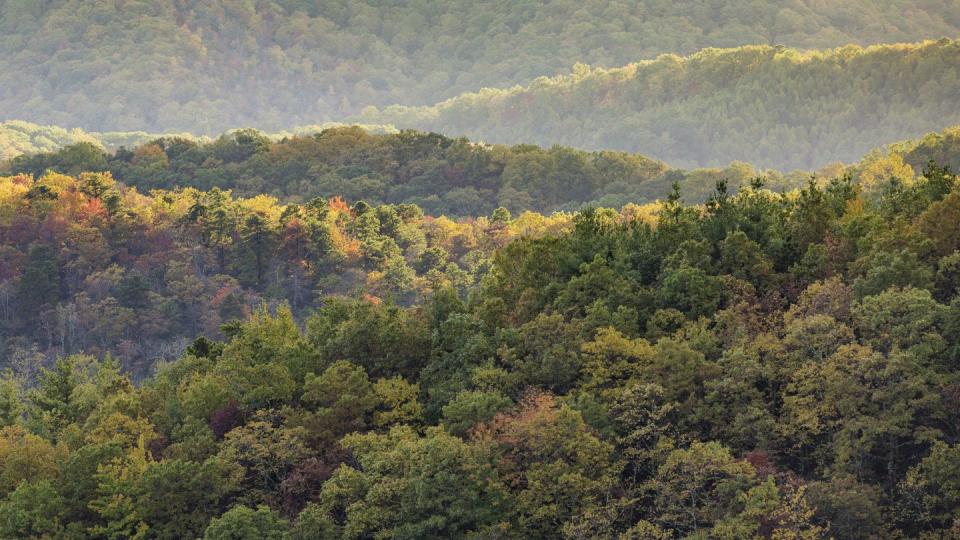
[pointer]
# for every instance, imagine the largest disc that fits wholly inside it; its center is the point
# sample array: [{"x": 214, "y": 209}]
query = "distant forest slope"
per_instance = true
[
  {"x": 769, "y": 106},
  {"x": 439, "y": 174},
  {"x": 18, "y": 137},
  {"x": 206, "y": 66}
]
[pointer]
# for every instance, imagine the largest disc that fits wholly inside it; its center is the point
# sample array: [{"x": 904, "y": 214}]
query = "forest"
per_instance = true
[
  {"x": 485, "y": 270},
  {"x": 18, "y": 137},
  {"x": 441, "y": 175},
  {"x": 205, "y": 67},
  {"x": 205, "y": 361},
  {"x": 768, "y": 105}
]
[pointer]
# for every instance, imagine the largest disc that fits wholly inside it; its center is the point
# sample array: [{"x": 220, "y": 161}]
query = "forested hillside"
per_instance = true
[
  {"x": 443, "y": 175},
  {"x": 18, "y": 137},
  {"x": 437, "y": 173},
  {"x": 87, "y": 264},
  {"x": 486, "y": 270},
  {"x": 204, "y": 67},
  {"x": 941, "y": 147},
  {"x": 762, "y": 366},
  {"x": 770, "y": 106}
]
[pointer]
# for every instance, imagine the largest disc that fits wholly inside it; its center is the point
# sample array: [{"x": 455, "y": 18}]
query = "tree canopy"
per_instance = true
[
  {"x": 762, "y": 365},
  {"x": 768, "y": 105},
  {"x": 206, "y": 67}
]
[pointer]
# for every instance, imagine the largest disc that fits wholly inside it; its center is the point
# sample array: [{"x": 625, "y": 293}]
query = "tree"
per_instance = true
[
  {"x": 78, "y": 481},
  {"x": 40, "y": 282},
  {"x": 681, "y": 371},
  {"x": 397, "y": 403},
  {"x": 11, "y": 399},
  {"x": 384, "y": 339},
  {"x": 409, "y": 486},
  {"x": 25, "y": 456},
  {"x": 274, "y": 340},
  {"x": 742, "y": 258},
  {"x": 906, "y": 319},
  {"x": 244, "y": 523},
  {"x": 611, "y": 361},
  {"x": 542, "y": 352},
  {"x": 344, "y": 399},
  {"x": 256, "y": 239},
  {"x": 303, "y": 484},
  {"x": 697, "y": 487},
  {"x": 930, "y": 492},
  {"x": 645, "y": 429},
  {"x": 218, "y": 223},
  {"x": 70, "y": 391},
  {"x": 859, "y": 412},
  {"x": 948, "y": 277},
  {"x": 31, "y": 511},
  {"x": 471, "y": 407},
  {"x": 178, "y": 498},
  {"x": 851, "y": 509},
  {"x": 313, "y": 524},
  {"x": 882, "y": 270},
  {"x": 459, "y": 347},
  {"x": 830, "y": 297},
  {"x": 690, "y": 290},
  {"x": 558, "y": 467},
  {"x": 266, "y": 453},
  {"x": 501, "y": 215},
  {"x": 115, "y": 503},
  {"x": 814, "y": 338},
  {"x": 939, "y": 223}
]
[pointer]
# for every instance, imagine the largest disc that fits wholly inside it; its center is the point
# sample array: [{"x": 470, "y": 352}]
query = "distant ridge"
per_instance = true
[
  {"x": 204, "y": 67},
  {"x": 769, "y": 106},
  {"x": 20, "y": 137},
  {"x": 440, "y": 174}
]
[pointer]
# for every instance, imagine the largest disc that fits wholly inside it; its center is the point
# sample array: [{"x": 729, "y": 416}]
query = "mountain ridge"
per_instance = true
[
  {"x": 774, "y": 107},
  {"x": 441, "y": 174},
  {"x": 204, "y": 67}
]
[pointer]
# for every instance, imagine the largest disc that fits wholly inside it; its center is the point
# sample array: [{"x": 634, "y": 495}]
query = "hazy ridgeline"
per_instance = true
[
  {"x": 439, "y": 174},
  {"x": 769, "y": 106},
  {"x": 205, "y": 67}
]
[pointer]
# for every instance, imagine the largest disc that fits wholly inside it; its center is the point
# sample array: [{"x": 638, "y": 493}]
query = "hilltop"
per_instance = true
[
  {"x": 440, "y": 174},
  {"x": 774, "y": 107},
  {"x": 204, "y": 67},
  {"x": 18, "y": 137}
]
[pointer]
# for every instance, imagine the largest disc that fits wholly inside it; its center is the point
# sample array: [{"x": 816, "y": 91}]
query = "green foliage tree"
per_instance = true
[
  {"x": 244, "y": 523},
  {"x": 31, "y": 511},
  {"x": 179, "y": 498},
  {"x": 696, "y": 488},
  {"x": 266, "y": 453},
  {"x": 410, "y": 487}
]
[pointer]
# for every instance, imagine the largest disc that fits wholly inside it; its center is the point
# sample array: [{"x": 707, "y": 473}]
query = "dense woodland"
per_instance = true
[
  {"x": 441, "y": 175},
  {"x": 87, "y": 264},
  {"x": 18, "y": 137},
  {"x": 204, "y": 67},
  {"x": 766, "y": 364},
  {"x": 771, "y": 106},
  {"x": 676, "y": 284}
]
